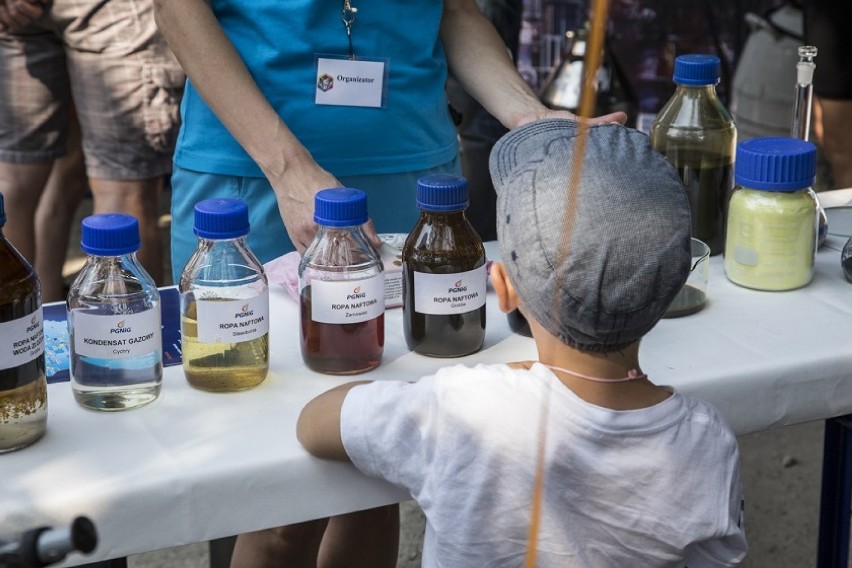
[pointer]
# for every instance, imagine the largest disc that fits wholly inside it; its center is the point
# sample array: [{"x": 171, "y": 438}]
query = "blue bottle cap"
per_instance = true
[
  {"x": 340, "y": 207},
  {"x": 442, "y": 193},
  {"x": 2, "y": 211},
  {"x": 696, "y": 69},
  {"x": 110, "y": 234},
  {"x": 775, "y": 164},
  {"x": 221, "y": 218}
]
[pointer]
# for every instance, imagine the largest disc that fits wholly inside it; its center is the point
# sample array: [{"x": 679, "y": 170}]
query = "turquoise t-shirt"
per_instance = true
[{"x": 279, "y": 42}]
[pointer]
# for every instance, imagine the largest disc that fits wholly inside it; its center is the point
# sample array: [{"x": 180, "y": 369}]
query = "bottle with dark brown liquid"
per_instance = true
[
  {"x": 341, "y": 280},
  {"x": 697, "y": 135},
  {"x": 23, "y": 386},
  {"x": 443, "y": 267}
]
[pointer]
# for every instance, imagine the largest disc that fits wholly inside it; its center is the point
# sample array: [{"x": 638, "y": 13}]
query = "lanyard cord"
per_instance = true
[
  {"x": 348, "y": 18},
  {"x": 632, "y": 375}
]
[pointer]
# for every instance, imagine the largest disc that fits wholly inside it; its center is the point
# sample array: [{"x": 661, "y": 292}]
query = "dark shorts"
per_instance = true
[
  {"x": 391, "y": 200},
  {"x": 108, "y": 58}
]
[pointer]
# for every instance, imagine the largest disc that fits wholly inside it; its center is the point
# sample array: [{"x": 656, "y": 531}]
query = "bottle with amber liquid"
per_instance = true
[
  {"x": 342, "y": 288},
  {"x": 23, "y": 385},
  {"x": 224, "y": 302},
  {"x": 444, "y": 274},
  {"x": 697, "y": 135}
]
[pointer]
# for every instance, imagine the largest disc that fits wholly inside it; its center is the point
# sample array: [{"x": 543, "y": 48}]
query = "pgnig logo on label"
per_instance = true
[
  {"x": 459, "y": 287},
  {"x": 121, "y": 327},
  {"x": 356, "y": 294},
  {"x": 245, "y": 311},
  {"x": 325, "y": 82}
]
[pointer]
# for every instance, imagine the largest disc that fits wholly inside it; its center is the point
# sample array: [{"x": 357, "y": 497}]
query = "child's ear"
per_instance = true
[{"x": 506, "y": 295}]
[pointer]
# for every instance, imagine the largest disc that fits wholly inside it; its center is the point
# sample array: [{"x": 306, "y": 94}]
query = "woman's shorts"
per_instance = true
[
  {"x": 390, "y": 201},
  {"x": 107, "y": 59}
]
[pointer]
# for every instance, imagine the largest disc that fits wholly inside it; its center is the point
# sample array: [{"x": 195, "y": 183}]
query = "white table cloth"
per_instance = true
[{"x": 194, "y": 466}]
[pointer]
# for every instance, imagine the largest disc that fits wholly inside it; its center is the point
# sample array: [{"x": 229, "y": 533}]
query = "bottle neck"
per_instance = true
[
  {"x": 696, "y": 91},
  {"x": 236, "y": 241},
  {"x": 444, "y": 216}
]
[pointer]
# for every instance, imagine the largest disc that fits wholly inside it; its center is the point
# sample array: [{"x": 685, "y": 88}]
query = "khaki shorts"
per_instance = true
[{"x": 108, "y": 58}]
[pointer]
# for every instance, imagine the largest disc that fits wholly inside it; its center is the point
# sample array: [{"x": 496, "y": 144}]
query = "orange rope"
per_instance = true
[{"x": 591, "y": 64}]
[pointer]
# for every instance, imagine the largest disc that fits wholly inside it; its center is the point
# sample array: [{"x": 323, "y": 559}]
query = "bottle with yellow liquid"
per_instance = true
[{"x": 224, "y": 299}]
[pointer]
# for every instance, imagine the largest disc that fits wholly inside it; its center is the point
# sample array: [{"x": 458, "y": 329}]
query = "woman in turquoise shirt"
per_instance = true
[{"x": 288, "y": 98}]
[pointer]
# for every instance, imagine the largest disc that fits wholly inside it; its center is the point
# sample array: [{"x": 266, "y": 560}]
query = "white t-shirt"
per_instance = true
[{"x": 655, "y": 487}]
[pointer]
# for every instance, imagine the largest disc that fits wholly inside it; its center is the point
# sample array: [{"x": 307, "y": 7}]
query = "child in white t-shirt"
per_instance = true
[{"x": 576, "y": 459}]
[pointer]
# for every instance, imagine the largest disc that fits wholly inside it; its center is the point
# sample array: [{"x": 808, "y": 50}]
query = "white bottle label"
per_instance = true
[
  {"x": 445, "y": 294},
  {"x": 347, "y": 301},
  {"x": 117, "y": 336},
  {"x": 21, "y": 340},
  {"x": 233, "y": 321}
]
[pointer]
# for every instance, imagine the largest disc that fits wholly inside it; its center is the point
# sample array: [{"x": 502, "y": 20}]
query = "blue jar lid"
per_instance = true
[
  {"x": 696, "y": 69},
  {"x": 340, "y": 207},
  {"x": 775, "y": 164},
  {"x": 2, "y": 211},
  {"x": 110, "y": 234},
  {"x": 221, "y": 218},
  {"x": 442, "y": 193}
]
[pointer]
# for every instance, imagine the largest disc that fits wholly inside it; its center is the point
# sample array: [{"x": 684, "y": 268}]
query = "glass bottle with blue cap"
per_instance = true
[
  {"x": 697, "y": 135},
  {"x": 224, "y": 299},
  {"x": 444, "y": 273},
  {"x": 23, "y": 386},
  {"x": 772, "y": 215},
  {"x": 342, "y": 288},
  {"x": 114, "y": 319}
]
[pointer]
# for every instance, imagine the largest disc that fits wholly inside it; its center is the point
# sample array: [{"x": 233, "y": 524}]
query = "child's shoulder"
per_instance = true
[
  {"x": 705, "y": 414},
  {"x": 480, "y": 371}
]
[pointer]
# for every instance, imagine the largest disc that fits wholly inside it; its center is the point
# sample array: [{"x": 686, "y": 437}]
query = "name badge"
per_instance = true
[{"x": 350, "y": 82}]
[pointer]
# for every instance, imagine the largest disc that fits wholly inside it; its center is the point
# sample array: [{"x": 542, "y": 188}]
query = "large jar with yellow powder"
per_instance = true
[{"x": 772, "y": 215}]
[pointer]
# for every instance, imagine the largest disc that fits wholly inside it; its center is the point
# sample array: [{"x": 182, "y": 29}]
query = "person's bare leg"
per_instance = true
[
  {"x": 62, "y": 195},
  {"x": 364, "y": 539},
  {"x": 21, "y": 186},
  {"x": 292, "y": 546},
  {"x": 833, "y": 120},
  {"x": 140, "y": 198}
]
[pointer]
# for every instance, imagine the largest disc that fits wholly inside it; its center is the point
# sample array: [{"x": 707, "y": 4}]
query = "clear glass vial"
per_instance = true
[
  {"x": 23, "y": 386},
  {"x": 224, "y": 299},
  {"x": 114, "y": 319},
  {"x": 342, "y": 289},
  {"x": 444, "y": 273},
  {"x": 697, "y": 135},
  {"x": 772, "y": 216}
]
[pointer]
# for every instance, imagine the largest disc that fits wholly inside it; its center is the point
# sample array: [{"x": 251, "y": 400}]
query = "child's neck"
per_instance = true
[{"x": 597, "y": 378}]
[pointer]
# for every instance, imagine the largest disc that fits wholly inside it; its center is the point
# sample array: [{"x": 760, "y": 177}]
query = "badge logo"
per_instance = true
[{"x": 325, "y": 82}]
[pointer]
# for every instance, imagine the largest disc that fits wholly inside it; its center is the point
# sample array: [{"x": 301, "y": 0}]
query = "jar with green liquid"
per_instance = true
[{"x": 697, "y": 135}]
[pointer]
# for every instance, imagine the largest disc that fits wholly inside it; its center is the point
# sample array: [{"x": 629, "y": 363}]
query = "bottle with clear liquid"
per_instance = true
[
  {"x": 23, "y": 386},
  {"x": 224, "y": 299},
  {"x": 342, "y": 288},
  {"x": 697, "y": 135},
  {"x": 444, "y": 273},
  {"x": 114, "y": 319}
]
